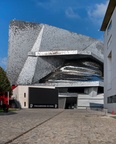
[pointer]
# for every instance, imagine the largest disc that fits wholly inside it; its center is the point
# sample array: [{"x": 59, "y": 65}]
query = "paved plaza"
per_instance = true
[{"x": 57, "y": 126}]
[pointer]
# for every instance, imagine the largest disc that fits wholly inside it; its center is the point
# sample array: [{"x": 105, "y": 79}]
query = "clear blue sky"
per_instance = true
[{"x": 80, "y": 16}]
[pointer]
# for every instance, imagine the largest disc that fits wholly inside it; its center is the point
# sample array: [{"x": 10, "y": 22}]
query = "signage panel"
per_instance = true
[{"x": 43, "y": 98}]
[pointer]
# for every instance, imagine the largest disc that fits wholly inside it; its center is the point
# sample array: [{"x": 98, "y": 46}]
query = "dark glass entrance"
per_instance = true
[{"x": 71, "y": 103}]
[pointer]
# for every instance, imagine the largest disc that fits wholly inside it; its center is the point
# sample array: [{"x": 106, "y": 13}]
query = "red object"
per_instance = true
[
  {"x": 4, "y": 99},
  {"x": 13, "y": 87},
  {"x": 4, "y": 102},
  {"x": 112, "y": 112}
]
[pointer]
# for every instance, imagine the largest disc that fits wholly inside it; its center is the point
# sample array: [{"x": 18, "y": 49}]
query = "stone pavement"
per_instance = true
[{"x": 56, "y": 126}]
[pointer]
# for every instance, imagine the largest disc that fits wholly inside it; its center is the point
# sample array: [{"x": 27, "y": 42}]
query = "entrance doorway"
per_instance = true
[{"x": 71, "y": 103}]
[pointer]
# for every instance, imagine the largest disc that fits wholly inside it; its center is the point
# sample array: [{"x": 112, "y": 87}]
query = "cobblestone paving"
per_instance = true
[
  {"x": 67, "y": 127},
  {"x": 14, "y": 124}
]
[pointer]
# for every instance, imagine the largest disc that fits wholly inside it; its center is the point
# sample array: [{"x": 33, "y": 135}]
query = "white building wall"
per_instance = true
[
  {"x": 20, "y": 93},
  {"x": 23, "y": 96},
  {"x": 85, "y": 100},
  {"x": 15, "y": 93},
  {"x": 110, "y": 63}
]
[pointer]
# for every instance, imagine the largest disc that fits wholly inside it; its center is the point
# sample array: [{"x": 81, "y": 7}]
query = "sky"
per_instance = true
[{"x": 80, "y": 16}]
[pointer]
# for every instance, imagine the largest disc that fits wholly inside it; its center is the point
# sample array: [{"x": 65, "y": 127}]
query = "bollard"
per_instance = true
[
  {"x": 86, "y": 108},
  {"x": 106, "y": 111}
]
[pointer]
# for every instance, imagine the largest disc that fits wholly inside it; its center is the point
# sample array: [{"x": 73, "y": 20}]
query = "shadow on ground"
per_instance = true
[{"x": 7, "y": 113}]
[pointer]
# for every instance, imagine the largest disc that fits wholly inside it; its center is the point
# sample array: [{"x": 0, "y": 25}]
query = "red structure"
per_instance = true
[
  {"x": 13, "y": 87},
  {"x": 4, "y": 100}
]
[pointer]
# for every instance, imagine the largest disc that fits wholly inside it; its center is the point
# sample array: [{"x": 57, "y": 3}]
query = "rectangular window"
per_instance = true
[
  {"x": 24, "y": 104},
  {"x": 109, "y": 42},
  {"x": 109, "y": 71},
  {"x": 109, "y": 27},
  {"x": 24, "y": 95},
  {"x": 114, "y": 99},
  {"x": 111, "y": 99}
]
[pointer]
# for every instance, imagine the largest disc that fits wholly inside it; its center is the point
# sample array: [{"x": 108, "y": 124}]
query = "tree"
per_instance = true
[{"x": 4, "y": 82}]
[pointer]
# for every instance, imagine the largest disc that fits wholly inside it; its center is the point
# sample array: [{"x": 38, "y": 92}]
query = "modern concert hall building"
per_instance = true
[{"x": 54, "y": 68}]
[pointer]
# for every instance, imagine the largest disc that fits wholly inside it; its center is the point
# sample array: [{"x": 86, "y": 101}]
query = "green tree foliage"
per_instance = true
[{"x": 4, "y": 82}]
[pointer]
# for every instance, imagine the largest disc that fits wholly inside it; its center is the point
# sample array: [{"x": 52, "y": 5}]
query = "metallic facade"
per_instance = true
[
  {"x": 36, "y": 50},
  {"x": 40, "y": 54}
]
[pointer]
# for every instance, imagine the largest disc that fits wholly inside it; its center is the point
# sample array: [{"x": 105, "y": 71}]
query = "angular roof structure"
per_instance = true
[{"x": 38, "y": 50}]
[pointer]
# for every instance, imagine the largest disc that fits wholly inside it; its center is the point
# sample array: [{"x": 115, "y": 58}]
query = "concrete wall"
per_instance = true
[
  {"x": 110, "y": 62},
  {"x": 92, "y": 91},
  {"x": 111, "y": 108},
  {"x": 85, "y": 100},
  {"x": 61, "y": 102}
]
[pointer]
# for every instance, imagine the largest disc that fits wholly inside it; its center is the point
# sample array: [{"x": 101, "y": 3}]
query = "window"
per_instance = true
[
  {"x": 24, "y": 104},
  {"x": 24, "y": 95},
  {"x": 114, "y": 99},
  {"x": 109, "y": 27},
  {"x": 109, "y": 71},
  {"x": 109, "y": 41},
  {"x": 111, "y": 99}
]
